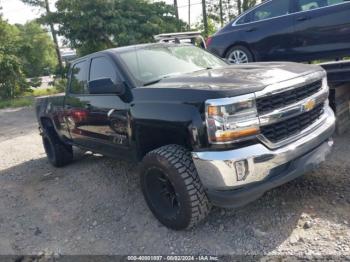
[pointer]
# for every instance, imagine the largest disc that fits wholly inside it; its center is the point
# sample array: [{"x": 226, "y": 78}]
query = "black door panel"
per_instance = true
[
  {"x": 101, "y": 126},
  {"x": 99, "y": 122},
  {"x": 325, "y": 32},
  {"x": 271, "y": 42}
]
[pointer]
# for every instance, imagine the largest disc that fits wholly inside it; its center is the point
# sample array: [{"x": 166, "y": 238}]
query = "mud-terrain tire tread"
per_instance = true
[{"x": 180, "y": 160}]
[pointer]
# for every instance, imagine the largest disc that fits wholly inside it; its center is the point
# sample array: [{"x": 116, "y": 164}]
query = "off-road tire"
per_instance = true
[
  {"x": 58, "y": 153},
  {"x": 177, "y": 165}
]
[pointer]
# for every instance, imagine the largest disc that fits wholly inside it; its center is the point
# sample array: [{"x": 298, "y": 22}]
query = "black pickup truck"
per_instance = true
[{"x": 206, "y": 133}]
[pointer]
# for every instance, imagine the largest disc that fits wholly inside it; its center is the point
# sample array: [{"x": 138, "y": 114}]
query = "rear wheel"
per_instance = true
[
  {"x": 172, "y": 188},
  {"x": 58, "y": 153},
  {"x": 239, "y": 55}
]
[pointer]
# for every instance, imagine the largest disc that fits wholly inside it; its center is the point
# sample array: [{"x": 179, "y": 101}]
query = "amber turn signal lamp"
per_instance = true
[{"x": 229, "y": 135}]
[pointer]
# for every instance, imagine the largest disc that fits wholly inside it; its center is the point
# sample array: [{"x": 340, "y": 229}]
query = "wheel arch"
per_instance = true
[
  {"x": 149, "y": 138},
  {"x": 46, "y": 124}
]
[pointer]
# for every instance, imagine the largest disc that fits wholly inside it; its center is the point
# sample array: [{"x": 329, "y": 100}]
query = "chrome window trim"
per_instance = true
[
  {"x": 248, "y": 12},
  {"x": 300, "y": 12}
]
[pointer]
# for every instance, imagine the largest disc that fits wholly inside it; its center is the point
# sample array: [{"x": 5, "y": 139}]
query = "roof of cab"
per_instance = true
[{"x": 123, "y": 49}]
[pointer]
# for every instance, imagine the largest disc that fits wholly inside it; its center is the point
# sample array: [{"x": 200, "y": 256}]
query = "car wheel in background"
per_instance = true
[{"x": 239, "y": 55}]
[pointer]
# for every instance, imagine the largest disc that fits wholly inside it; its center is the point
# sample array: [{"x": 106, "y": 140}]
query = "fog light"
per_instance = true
[{"x": 242, "y": 170}]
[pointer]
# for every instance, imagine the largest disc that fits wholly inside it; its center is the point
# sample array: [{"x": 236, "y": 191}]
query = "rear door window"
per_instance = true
[
  {"x": 335, "y": 2},
  {"x": 270, "y": 10},
  {"x": 244, "y": 19},
  {"x": 307, "y": 5},
  {"x": 78, "y": 81}
]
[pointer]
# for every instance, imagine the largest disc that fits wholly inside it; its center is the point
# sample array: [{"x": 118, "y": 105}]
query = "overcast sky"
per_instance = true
[{"x": 17, "y": 12}]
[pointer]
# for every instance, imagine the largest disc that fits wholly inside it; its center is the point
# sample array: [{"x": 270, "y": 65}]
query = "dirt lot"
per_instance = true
[{"x": 95, "y": 206}]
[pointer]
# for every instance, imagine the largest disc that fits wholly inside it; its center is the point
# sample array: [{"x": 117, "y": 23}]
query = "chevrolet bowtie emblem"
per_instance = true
[{"x": 309, "y": 105}]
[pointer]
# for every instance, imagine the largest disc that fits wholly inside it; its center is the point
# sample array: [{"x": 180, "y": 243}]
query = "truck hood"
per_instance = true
[{"x": 250, "y": 77}]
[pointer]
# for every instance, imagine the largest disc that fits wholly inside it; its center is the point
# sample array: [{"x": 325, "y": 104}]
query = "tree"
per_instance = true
[
  {"x": 93, "y": 25},
  {"x": 12, "y": 79},
  {"x": 176, "y": 9},
  {"x": 36, "y": 50},
  {"x": 44, "y": 4},
  {"x": 223, "y": 11},
  {"x": 239, "y": 6},
  {"x": 189, "y": 14},
  {"x": 205, "y": 18},
  {"x": 246, "y": 4},
  {"x": 211, "y": 27}
]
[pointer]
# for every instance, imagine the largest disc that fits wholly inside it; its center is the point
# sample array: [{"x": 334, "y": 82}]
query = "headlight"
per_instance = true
[{"x": 232, "y": 119}]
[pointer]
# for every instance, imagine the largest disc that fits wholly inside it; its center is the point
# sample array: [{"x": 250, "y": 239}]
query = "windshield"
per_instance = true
[{"x": 151, "y": 64}]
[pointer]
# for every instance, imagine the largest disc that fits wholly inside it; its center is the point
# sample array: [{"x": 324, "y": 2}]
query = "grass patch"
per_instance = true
[
  {"x": 43, "y": 92},
  {"x": 17, "y": 102},
  {"x": 28, "y": 98}
]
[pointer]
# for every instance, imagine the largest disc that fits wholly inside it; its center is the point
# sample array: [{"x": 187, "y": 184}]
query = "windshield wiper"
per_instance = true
[
  {"x": 169, "y": 75},
  {"x": 154, "y": 82},
  {"x": 159, "y": 79}
]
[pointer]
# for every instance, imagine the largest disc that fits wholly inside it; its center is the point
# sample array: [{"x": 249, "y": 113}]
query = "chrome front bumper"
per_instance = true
[{"x": 217, "y": 171}]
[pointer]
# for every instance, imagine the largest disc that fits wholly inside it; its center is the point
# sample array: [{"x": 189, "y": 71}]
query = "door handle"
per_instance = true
[
  {"x": 110, "y": 112},
  {"x": 251, "y": 29},
  {"x": 303, "y": 18}
]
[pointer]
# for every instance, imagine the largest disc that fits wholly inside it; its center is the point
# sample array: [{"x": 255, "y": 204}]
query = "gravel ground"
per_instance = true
[{"x": 95, "y": 206}]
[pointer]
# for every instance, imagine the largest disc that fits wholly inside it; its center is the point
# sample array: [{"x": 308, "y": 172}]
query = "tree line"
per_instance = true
[
  {"x": 26, "y": 51},
  {"x": 93, "y": 25}
]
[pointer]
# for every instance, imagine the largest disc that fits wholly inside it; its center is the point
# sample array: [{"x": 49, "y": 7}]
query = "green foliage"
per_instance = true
[
  {"x": 17, "y": 102},
  {"x": 93, "y": 25},
  {"x": 211, "y": 27},
  {"x": 44, "y": 92},
  {"x": 60, "y": 84},
  {"x": 12, "y": 79},
  {"x": 230, "y": 9},
  {"x": 246, "y": 4},
  {"x": 25, "y": 51},
  {"x": 36, "y": 50},
  {"x": 39, "y": 3},
  {"x": 35, "y": 82}
]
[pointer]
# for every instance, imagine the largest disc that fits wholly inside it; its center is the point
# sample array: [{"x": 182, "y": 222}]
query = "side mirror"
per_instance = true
[{"x": 105, "y": 86}]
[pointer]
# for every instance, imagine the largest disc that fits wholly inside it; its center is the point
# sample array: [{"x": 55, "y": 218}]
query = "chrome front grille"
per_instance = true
[
  {"x": 292, "y": 109},
  {"x": 287, "y": 128},
  {"x": 270, "y": 103}
]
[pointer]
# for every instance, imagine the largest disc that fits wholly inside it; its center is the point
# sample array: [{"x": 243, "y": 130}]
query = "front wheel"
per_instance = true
[
  {"x": 172, "y": 188},
  {"x": 239, "y": 55}
]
